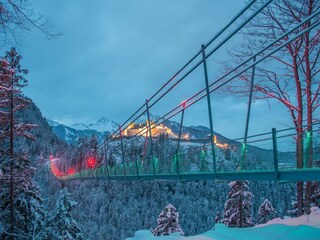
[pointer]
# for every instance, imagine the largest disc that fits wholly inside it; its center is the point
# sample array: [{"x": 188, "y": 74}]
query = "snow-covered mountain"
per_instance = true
[
  {"x": 80, "y": 126},
  {"x": 102, "y": 125},
  {"x": 53, "y": 123},
  {"x": 72, "y": 134},
  {"x": 105, "y": 126}
]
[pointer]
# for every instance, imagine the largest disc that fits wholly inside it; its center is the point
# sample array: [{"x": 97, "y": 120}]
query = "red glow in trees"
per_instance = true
[
  {"x": 55, "y": 170},
  {"x": 91, "y": 162},
  {"x": 71, "y": 171}
]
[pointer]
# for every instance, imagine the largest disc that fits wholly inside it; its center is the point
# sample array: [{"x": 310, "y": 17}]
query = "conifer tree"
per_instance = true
[
  {"x": 266, "y": 212},
  {"x": 61, "y": 225},
  {"x": 168, "y": 222},
  {"x": 237, "y": 212},
  {"x": 29, "y": 203},
  {"x": 21, "y": 210},
  {"x": 294, "y": 208},
  {"x": 218, "y": 217},
  {"x": 315, "y": 193}
]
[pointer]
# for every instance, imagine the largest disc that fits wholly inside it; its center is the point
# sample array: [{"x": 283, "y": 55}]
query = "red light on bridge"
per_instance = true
[
  {"x": 91, "y": 162},
  {"x": 183, "y": 104},
  {"x": 71, "y": 171}
]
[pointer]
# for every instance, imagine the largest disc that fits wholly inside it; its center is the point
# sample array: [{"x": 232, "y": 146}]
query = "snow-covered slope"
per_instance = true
[
  {"x": 53, "y": 123},
  {"x": 312, "y": 220},
  {"x": 72, "y": 134},
  {"x": 80, "y": 126},
  {"x": 301, "y": 228},
  {"x": 102, "y": 125}
]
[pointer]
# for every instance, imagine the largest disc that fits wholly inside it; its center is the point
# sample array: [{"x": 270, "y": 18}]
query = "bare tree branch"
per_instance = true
[{"x": 18, "y": 18}]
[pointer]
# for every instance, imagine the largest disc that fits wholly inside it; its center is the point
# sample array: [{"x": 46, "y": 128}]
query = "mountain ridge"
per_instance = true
[{"x": 103, "y": 126}]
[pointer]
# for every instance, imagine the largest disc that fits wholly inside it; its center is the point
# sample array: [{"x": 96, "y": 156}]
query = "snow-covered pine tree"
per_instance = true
[
  {"x": 61, "y": 225},
  {"x": 266, "y": 212},
  {"x": 218, "y": 217},
  {"x": 315, "y": 193},
  {"x": 294, "y": 207},
  {"x": 21, "y": 210},
  {"x": 237, "y": 212},
  {"x": 168, "y": 222},
  {"x": 29, "y": 203}
]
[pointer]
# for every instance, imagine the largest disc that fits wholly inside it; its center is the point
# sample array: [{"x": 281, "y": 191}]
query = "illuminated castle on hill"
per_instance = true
[{"x": 156, "y": 130}]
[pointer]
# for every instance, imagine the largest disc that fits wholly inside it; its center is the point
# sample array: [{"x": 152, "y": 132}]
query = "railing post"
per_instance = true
[
  {"x": 177, "y": 164},
  {"x": 275, "y": 153},
  {"x": 108, "y": 174},
  {"x": 122, "y": 151},
  {"x": 106, "y": 158},
  {"x": 181, "y": 123},
  {"x": 137, "y": 167},
  {"x": 244, "y": 144},
  {"x": 202, "y": 156},
  {"x": 243, "y": 155},
  {"x": 178, "y": 145},
  {"x": 209, "y": 110},
  {"x": 150, "y": 137}
]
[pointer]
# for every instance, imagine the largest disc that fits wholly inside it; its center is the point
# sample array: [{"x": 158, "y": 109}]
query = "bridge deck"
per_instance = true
[{"x": 289, "y": 175}]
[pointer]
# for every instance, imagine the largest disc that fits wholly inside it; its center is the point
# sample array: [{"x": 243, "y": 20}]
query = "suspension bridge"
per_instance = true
[{"x": 136, "y": 152}]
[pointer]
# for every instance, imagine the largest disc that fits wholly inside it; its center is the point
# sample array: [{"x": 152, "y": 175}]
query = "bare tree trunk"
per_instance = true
[
  {"x": 240, "y": 209},
  {"x": 11, "y": 163},
  {"x": 309, "y": 150},
  {"x": 299, "y": 143},
  {"x": 299, "y": 156}
]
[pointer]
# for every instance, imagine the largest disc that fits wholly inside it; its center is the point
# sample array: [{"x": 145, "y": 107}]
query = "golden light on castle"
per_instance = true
[
  {"x": 186, "y": 136},
  {"x": 219, "y": 145},
  {"x": 142, "y": 129}
]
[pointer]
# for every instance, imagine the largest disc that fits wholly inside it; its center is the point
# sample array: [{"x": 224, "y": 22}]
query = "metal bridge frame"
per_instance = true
[
  {"x": 276, "y": 174},
  {"x": 291, "y": 175}
]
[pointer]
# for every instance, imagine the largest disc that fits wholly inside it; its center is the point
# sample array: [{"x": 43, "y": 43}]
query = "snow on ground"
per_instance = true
[
  {"x": 312, "y": 220},
  {"x": 147, "y": 235},
  {"x": 301, "y": 228}
]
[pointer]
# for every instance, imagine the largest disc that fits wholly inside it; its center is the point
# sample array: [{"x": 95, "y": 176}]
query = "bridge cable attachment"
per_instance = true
[
  {"x": 179, "y": 138},
  {"x": 275, "y": 153},
  {"x": 209, "y": 111},
  {"x": 150, "y": 137},
  {"x": 244, "y": 145},
  {"x": 122, "y": 152}
]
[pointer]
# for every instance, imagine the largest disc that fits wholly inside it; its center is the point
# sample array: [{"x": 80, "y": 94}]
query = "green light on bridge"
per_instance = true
[
  {"x": 243, "y": 148},
  {"x": 156, "y": 164},
  {"x": 308, "y": 142}
]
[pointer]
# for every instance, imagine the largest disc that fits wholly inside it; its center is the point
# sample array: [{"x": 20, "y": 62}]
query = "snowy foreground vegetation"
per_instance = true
[{"x": 306, "y": 227}]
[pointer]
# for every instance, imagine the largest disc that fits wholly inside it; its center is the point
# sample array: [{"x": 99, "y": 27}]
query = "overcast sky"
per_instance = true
[{"x": 114, "y": 54}]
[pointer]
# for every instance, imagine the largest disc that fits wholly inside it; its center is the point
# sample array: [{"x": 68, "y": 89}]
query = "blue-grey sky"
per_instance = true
[{"x": 114, "y": 54}]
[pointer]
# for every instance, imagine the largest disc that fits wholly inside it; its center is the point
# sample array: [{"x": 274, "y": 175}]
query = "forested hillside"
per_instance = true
[{"x": 115, "y": 209}]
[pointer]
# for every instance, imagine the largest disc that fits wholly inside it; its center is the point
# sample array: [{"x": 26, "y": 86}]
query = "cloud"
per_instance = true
[{"x": 115, "y": 54}]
